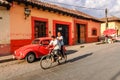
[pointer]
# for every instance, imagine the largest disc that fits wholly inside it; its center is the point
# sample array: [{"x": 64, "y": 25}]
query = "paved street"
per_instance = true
[{"x": 92, "y": 62}]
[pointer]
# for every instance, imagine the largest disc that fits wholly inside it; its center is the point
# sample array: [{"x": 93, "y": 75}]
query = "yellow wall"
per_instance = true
[
  {"x": 118, "y": 27},
  {"x": 22, "y": 29},
  {"x": 4, "y": 26},
  {"x": 111, "y": 25},
  {"x": 102, "y": 28}
]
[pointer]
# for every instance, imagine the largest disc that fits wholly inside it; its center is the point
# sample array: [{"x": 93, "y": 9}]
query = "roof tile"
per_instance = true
[
  {"x": 55, "y": 7},
  {"x": 113, "y": 18},
  {"x": 50, "y": 5}
]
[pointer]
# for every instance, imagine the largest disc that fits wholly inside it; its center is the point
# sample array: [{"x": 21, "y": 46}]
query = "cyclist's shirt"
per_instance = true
[
  {"x": 56, "y": 44},
  {"x": 61, "y": 40}
]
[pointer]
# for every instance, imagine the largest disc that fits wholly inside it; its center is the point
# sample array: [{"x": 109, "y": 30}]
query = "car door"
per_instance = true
[{"x": 42, "y": 49}]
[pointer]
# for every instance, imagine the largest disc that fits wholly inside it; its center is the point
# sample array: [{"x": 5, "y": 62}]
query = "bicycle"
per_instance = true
[{"x": 53, "y": 56}]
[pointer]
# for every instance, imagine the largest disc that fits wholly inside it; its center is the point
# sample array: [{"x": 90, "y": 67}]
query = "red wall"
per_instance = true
[
  {"x": 23, "y": 26},
  {"x": 15, "y": 44},
  {"x": 92, "y": 39}
]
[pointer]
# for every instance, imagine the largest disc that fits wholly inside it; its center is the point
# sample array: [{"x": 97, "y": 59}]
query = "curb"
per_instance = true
[{"x": 7, "y": 59}]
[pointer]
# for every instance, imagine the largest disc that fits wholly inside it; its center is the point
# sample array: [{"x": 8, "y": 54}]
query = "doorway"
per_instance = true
[
  {"x": 80, "y": 33},
  {"x": 64, "y": 29}
]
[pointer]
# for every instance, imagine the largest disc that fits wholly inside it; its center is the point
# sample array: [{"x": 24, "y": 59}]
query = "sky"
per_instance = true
[{"x": 98, "y": 6}]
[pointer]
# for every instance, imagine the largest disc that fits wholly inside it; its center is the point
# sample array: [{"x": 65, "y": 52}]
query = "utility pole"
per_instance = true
[{"x": 106, "y": 13}]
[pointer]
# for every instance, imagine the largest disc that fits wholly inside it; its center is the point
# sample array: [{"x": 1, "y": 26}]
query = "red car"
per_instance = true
[{"x": 34, "y": 50}]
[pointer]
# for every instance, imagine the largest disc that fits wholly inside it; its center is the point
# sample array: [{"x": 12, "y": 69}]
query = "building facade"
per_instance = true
[
  {"x": 45, "y": 19},
  {"x": 4, "y": 28},
  {"x": 113, "y": 23}
]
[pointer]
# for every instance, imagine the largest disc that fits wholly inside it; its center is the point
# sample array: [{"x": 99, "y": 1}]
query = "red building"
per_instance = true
[{"x": 30, "y": 19}]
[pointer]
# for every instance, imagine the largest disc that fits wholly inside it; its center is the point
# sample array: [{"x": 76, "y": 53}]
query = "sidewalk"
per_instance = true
[{"x": 7, "y": 59}]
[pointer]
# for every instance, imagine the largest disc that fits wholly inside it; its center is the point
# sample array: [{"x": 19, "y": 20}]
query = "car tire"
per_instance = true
[{"x": 30, "y": 57}]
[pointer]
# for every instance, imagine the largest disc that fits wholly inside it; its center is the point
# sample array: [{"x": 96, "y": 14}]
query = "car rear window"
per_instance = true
[
  {"x": 35, "y": 42},
  {"x": 45, "y": 42}
]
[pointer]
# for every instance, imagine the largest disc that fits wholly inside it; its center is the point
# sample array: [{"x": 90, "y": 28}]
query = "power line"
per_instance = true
[{"x": 73, "y": 5}]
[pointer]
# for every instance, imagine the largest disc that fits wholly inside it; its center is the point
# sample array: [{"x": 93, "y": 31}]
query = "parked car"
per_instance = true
[{"x": 34, "y": 50}]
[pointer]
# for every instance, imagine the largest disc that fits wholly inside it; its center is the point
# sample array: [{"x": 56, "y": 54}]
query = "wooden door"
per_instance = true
[{"x": 82, "y": 34}]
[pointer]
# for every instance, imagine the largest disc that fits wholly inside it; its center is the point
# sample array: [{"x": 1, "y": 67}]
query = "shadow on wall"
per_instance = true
[{"x": 4, "y": 49}]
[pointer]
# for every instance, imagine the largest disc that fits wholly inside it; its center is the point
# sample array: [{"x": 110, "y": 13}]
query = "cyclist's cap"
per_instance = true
[{"x": 52, "y": 36}]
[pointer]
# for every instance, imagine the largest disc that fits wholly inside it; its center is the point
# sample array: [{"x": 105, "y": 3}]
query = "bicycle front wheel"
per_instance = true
[{"x": 46, "y": 62}]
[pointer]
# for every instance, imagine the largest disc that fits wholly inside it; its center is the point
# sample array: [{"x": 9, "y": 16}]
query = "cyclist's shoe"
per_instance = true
[{"x": 60, "y": 57}]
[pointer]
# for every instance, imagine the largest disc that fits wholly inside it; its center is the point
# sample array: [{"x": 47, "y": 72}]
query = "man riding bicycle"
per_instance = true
[
  {"x": 55, "y": 45},
  {"x": 54, "y": 54}
]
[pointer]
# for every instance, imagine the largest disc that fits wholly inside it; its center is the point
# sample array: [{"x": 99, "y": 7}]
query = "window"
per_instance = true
[
  {"x": 40, "y": 29},
  {"x": 36, "y": 41},
  {"x": 45, "y": 42},
  {"x": 94, "y": 32}
]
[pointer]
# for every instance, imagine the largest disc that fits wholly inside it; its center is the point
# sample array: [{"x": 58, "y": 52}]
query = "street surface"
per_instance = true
[{"x": 92, "y": 62}]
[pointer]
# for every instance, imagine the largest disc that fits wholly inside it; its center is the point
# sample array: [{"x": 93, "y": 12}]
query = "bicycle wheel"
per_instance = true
[
  {"x": 63, "y": 58},
  {"x": 46, "y": 62}
]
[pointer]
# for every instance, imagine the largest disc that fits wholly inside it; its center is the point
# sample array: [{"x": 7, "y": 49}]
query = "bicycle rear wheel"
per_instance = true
[
  {"x": 46, "y": 62},
  {"x": 63, "y": 58}
]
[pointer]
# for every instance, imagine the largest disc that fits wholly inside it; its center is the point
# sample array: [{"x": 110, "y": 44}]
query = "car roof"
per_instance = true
[{"x": 43, "y": 38}]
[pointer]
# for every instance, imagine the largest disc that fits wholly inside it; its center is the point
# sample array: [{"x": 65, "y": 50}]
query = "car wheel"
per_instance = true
[{"x": 30, "y": 57}]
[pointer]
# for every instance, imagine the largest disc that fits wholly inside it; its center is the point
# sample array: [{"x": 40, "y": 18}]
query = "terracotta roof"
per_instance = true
[
  {"x": 56, "y": 8},
  {"x": 113, "y": 18},
  {"x": 53, "y": 6},
  {"x": 60, "y": 8}
]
